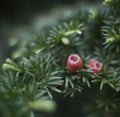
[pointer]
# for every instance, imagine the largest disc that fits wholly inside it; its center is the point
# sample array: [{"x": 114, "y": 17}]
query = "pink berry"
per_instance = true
[
  {"x": 74, "y": 63},
  {"x": 96, "y": 66}
]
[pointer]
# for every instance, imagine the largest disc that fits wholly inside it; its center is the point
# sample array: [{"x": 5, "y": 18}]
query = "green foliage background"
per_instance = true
[{"x": 32, "y": 80}]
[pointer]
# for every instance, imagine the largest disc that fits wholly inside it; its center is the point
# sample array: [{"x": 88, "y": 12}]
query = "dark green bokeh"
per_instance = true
[{"x": 16, "y": 13}]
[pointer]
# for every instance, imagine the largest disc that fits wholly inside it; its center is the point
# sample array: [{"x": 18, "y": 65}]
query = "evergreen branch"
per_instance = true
[{"x": 27, "y": 85}]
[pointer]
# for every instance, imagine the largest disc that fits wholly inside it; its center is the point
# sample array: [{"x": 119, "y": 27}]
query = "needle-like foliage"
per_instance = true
[{"x": 31, "y": 83}]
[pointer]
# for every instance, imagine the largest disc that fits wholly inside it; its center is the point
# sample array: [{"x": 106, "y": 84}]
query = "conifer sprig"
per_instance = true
[{"x": 27, "y": 83}]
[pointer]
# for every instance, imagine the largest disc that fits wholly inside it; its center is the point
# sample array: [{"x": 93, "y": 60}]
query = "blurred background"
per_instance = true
[{"x": 19, "y": 20}]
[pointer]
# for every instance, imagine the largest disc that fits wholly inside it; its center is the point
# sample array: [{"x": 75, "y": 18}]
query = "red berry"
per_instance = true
[
  {"x": 74, "y": 63},
  {"x": 96, "y": 66}
]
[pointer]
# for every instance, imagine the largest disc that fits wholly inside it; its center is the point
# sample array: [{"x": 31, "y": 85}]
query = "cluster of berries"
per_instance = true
[{"x": 75, "y": 63}]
